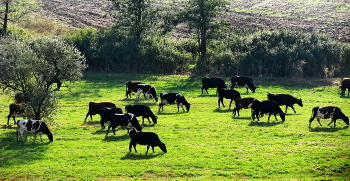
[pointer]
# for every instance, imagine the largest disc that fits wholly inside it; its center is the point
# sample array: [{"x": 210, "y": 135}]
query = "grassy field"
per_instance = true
[{"x": 206, "y": 143}]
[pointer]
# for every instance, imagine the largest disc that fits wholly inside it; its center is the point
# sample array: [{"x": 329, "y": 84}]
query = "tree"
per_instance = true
[
  {"x": 202, "y": 16},
  {"x": 33, "y": 67},
  {"x": 15, "y": 10}
]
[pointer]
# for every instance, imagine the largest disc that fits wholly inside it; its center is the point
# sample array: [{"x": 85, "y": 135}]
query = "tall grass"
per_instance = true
[{"x": 206, "y": 143}]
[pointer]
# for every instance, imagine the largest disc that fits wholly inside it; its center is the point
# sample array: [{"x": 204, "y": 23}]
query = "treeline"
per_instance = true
[{"x": 281, "y": 53}]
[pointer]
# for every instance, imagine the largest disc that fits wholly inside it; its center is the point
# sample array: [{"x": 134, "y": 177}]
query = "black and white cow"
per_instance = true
[
  {"x": 328, "y": 112},
  {"x": 15, "y": 110},
  {"x": 345, "y": 84},
  {"x": 228, "y": 94},
  {"x": 243, "y": 81},
  {"x": 146, "y": 89},
  {"x": 173, "y": 98},
  {"x": 33, "y": 126},
  {"x": 262, "y": 107},
  {"x": 285, "y": 99},
  {"x": 212, "y": 82},
  {"x": 142, "y": 110},
  {"x": 106, "y": 112},
  {"x": 244, "y": 103},
  {"x": 145, "y": 138},
  {"x": 128, "y": 120}
]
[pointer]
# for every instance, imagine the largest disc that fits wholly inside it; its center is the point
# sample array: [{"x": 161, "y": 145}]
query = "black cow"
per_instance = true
[
  {"x": 212, "y": 82},
  {"x": 131, "y": 86},
  {"x": 345, "y": 84},
  {"x": 142, "y": 110},
  {"x": 243, "y": 81},
  {"x": 328, "y": 112},
  {"x": 228, "y": 94},
  {"x": 173, "y": 98},
  {"x": 271, "y": 107},
  {"x": 15, "y": 110},
  {"x": 285, "y": 99},
  {"x": 146, "y": 89},
  {"x": 106, "y": 112},
  {"x": 145, "y": 138},
  {"x": 95, "y": 107},
  {"x": 128, "y": 120},
  {"x": 33, "y": 126}
]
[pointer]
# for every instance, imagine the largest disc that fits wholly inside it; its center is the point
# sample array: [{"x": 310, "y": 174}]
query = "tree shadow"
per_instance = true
[
  {"x": 141, "y": 156},
  {"x": 329, "y": 129},
  {"x": 265, "y": 124}
]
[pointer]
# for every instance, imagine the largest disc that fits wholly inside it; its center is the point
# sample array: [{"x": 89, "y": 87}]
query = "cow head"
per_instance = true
[
  {"x": 188, "y": 107},
  {"x": 346, "y": 120},
  {"x": 300, "y": 102},
  {"x": 253, "y": 89},
  {"x": 163, "y": 147}
]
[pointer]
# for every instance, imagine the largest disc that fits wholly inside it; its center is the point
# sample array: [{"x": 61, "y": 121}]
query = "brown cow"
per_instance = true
[
  {"x": 94, "y": 108},
  {"x": 244, "y": 103},
  {"x": 328, "y": 112},
  {"x": 131, "y": 86},
  {"x": 15, "y": 110},
  {"x": 345, "y": 84}
]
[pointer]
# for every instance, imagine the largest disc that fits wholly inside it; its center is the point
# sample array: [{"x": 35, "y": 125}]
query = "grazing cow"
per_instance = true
[
  {"x": 146, "y": 89},
  {"x": 243, "y": 81},
  {"x": 128, "y": 120},
  {"x": 228, "y": 94},
  {"x": 33, "y": 126},
  {"x": 15, "y": 110},
  {"x": 212, "y": 82},
  {"x": 106, "y": 112},
  {"x": 328, "y": 112},
  {"x": 345, "y": 84},
  {"x": 271, "y": 107},
  {"x": 173, "y": 98},
  {"x": 131, "y": 86},
  {"x": 285, "y": 99},
  {"x": 142, "y": 110},
  {"x": 145, "y": 138},
  {"x": 244, "y": 103},
  {"x": 95, "y": 107}
]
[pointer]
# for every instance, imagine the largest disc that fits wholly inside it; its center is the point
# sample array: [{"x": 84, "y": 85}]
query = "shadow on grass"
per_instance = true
[
  {"x": 329, "y": 129},
  {"x": 222, "y": 110},
  {"x": 116, "y": 137},
  {"x": 162, "y": 113},
  {"x": 238, "y": 117},
  {"x": 207, "y": 95},
  {"x": 141, "y": 156},
  {"x": 265, "y": 124}
]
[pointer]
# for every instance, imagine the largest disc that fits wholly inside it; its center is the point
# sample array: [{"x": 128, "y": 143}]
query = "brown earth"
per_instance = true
[{"x": 329, "y": 17}]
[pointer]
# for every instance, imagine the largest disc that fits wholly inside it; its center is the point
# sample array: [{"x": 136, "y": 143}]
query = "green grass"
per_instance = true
[{"x": 207, "y": 143}]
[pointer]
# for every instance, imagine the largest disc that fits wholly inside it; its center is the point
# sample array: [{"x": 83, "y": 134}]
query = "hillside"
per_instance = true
[{"x": 326, "y": 16}]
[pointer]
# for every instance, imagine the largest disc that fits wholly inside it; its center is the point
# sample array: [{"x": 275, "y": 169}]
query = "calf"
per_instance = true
[
  {"x": 95, "y": 107},
  {"x": 131, "y": 86},
  {"x": 328, "y": 112},
  {"x": 173, "y": 98},
  {"x": 285, "y": 99},
  {"x": 228, "y": 94},
  {"x": 106, "y": 112},
  {"x": 15, "y": 110},
  {"x": 128, "y": 120},
  {"x": 243, "y": 81},
  {"x": 145, "y": 138},
  {"x": 212, "y": 82},
  {"x": 244, "y": 103},
  {"x": 33, "y": 126},
  {"x": 345, "y": 84},
  {"x": 146, "y": 89},
  {"x": 271, "y": 107},
  {"x": 142, "y": 110}
]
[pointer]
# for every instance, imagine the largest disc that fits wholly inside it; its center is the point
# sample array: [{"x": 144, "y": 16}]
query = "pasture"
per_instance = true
[{"x": 206, "y": 143}]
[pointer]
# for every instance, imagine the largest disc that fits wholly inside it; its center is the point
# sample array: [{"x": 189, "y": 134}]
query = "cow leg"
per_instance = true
[
  {"x": 160, "y": 107},
  {"x": 153, "y": 148},
  {"x": 247, "y": 89},
  {"x": 229, "y": 107},
  {"x": 286, "y": 109},
  {"x": 221, "y": 99},
  {"x": 87, "y": 115},
  {"x": 143, "y": 120},
  {"x": 333, "y": 120},
  {"x": 268, "y": 120},
  {"x": 178, "y": 108},
  {"x": 319, "y": 121},
  {"x": 275, "y": 116},
  {"x": 149, "y": 120},
  {"x": 147, "y": 148},
  {"x": 293, "y": 108},
  {"x": 108, "y": 129}
]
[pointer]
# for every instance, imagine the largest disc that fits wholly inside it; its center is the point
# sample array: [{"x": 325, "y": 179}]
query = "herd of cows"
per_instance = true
[{"x": 110, "y": 112}]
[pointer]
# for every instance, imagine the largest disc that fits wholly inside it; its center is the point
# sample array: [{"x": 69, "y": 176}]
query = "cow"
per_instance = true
[
  {"x": 228, "y": 94},
  {"x": 131, "y": 86},
  {"x": 212, "y": 82},
  {"x": 127, "y": 119},
  {"x": 243, "y": 81},
  {"x": 271, "y": 107},
  {"x": 15, "y": 110},
  {"x": 146, "y": 89},
  {"x": 106, "y": 112},
  {"x": 285, "y": 99},
  {"x": 244, "y": 103},
  {"x": 142, "y": 110},
  {"x": 173, "y": 98},
  {"x": 328, "y": 112},
  {"x": 95, "y": 107},
  {"x": 345, "y": 84},
  {"x": 145, "y": 138},
  {"x": 33, "y": 126}
]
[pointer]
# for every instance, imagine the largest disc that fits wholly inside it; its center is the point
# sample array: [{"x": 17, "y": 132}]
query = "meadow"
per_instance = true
[{"x": 206, "y": 143}]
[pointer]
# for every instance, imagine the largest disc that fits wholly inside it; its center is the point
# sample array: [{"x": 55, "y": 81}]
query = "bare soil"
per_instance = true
[{"x": 326, "y": 16}]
